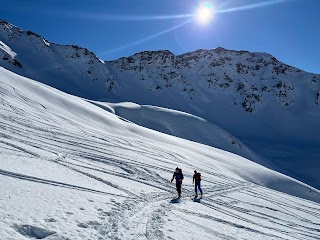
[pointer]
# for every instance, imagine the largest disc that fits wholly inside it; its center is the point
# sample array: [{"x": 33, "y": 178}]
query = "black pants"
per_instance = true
[{"x": 178, "y": 185}]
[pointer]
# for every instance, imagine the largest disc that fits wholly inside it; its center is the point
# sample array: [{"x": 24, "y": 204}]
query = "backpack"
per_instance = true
[{"x": 197, "y": 177}]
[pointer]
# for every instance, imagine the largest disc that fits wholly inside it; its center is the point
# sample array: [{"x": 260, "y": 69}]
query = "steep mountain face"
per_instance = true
[
  {"x": 69, "y": 68},
  {"x": 250, "y": 79},
  {"x": 271, "y": 107}
]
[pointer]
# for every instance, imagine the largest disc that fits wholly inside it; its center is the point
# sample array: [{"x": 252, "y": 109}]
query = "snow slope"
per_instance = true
[
  {"x": 72, "y": 170},
  {"x": 181, "y": 125},
  {"x": 270, "y": 107}
]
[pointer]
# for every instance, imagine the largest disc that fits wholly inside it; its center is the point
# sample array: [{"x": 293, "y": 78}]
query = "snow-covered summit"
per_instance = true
[{"x": 250, "y": 79}]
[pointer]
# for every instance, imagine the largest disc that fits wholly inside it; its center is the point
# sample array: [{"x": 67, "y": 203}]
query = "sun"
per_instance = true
[{"x": 205, "y": 13}]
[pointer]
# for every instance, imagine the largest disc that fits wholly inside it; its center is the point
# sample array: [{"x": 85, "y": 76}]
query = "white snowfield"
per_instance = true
[{"x": 70, "y": 169}]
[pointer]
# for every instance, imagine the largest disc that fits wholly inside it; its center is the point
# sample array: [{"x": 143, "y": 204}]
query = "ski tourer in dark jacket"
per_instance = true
[
  {"x": 178, "y": 175},
  {"x": 197, "y": 183}
]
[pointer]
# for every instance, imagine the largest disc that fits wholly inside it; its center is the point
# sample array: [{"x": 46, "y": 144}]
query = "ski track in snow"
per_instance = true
[{"x": 129, "y": 182}]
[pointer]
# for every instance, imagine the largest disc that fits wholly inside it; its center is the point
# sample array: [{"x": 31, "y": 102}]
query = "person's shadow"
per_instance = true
[
  {"x": 175, "y": 200},
  {"x": 197, "y": 200}
]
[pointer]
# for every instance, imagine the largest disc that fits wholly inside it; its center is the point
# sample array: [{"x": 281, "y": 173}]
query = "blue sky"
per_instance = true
[{"x": 288, "y": 29}]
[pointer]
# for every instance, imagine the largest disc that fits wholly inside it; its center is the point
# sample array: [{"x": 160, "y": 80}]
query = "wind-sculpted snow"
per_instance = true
[
  {"x": 181, "y": 125},
  {"x": 270, "y": 107},
  {"x": 72, "y": 170}
]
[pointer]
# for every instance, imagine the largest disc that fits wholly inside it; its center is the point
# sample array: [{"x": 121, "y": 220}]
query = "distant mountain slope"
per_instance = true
[{"x": 272, "y": 108}]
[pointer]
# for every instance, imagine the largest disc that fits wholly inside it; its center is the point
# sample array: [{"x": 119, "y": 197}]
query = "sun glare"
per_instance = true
[{"x": 205, "y": 13}]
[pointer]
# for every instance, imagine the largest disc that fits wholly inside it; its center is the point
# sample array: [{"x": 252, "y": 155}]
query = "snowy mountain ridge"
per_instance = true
[
  {"x": 252, "y": 76},
  {"x": 272, "y": 108}
]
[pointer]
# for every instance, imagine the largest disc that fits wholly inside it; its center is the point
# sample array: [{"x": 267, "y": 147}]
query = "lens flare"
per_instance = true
[
  {"x": 249, "y": 7},
  {"x": 150, "y": 37},
  {"x": 205, "y": 13}
]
